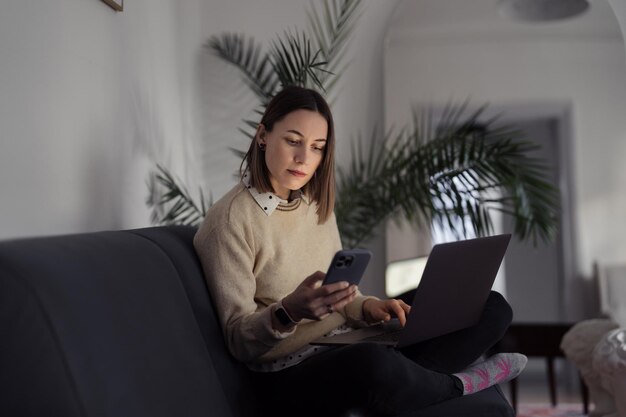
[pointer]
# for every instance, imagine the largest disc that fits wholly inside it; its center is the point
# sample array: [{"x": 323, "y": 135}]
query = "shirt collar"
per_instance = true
[{"x": 270, "y": 201}]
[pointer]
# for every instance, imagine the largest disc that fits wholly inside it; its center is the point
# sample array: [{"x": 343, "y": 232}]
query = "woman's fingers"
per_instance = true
[
  {"x": 337, "y": 296},
  {"x": 316, "y": 302},
  {"x": 378, "y": 310},
  {"x": 324, "y": 311},
  {"x": 398, "y": 310},
  {"x": 341, "y": 300},
  {"x": 329, "y": 289},
  {"x": 311, "y": 280},
  {"x": 335, "y": 301}
]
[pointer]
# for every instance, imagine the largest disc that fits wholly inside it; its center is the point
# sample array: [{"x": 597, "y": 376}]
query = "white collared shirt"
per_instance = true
[{"x": 270, "y": 201}]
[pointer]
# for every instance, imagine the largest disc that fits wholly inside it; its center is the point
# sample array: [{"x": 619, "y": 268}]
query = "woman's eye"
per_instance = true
[
  {"x": 292, "y": 142},
  {"x": 318, "y": 149}
]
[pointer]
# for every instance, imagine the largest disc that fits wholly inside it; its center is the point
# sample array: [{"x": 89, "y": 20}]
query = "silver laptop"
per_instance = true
[{"x": 451, "y": 294}]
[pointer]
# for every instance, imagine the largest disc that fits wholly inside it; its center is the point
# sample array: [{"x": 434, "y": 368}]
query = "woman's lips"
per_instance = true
[{"x": 298, "y": 174}]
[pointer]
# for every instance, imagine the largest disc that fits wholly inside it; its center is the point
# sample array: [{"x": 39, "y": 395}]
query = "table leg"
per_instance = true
[
  {"x": 551, "y": 380},
  {"x": 584, "y": 391}
]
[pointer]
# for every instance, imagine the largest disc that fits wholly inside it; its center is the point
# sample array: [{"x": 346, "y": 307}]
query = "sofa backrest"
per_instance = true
[{"x": 113, "y": 324}]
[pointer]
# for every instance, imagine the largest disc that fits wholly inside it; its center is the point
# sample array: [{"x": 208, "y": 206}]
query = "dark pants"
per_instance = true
[{"x": 384, "y": 381}]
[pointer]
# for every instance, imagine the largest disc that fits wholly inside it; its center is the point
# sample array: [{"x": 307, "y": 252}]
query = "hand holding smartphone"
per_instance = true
[{"x": 348, "y": 265}]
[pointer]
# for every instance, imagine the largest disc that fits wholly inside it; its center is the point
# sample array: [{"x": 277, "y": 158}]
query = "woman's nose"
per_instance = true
[{"x": 301, "y": 156}]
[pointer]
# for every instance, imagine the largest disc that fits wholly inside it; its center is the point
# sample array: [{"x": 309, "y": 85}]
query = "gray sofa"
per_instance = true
[{"x": 121, "y": 324}]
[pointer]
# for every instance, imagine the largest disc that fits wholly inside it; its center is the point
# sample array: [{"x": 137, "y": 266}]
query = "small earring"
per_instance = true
[{"x": 262, "y": 147}]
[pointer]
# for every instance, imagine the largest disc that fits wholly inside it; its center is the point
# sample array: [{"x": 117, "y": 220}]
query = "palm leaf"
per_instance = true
[
  {"x": 331, "y": 28},
  {"x": 245, "y": 54},
  {"x": 295, "y": 63},
  {"x": 446, "y": 173},
  {"x": 171, "y": 203}
]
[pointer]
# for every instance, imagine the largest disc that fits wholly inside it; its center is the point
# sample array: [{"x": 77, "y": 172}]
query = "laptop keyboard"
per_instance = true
[{"x": 392, "y": 336}]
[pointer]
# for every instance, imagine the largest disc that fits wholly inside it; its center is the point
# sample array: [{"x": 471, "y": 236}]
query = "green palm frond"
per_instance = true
[
  {"x": 294, "y": 59},
  {"x": 331, "y": 26},
  {"x": 238, "y": 153},
  {"x": 295, "y": 63},
  {"x": 444, "y": 172},
  {"x": 250, "y": 127},
  {"x": 332, "y": 31},
  {"x": 245, "y": 54},
  {"x": 171, "y": 203},
  {"x": 363, "y": 190},
  {"x": 291, "y": 60}
]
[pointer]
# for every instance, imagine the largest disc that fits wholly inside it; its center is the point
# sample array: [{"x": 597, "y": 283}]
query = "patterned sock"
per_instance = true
[{"x": 496, "y": 369}]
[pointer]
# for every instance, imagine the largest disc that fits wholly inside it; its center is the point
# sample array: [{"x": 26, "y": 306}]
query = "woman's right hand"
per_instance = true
[{"x": 308, "y": 301}]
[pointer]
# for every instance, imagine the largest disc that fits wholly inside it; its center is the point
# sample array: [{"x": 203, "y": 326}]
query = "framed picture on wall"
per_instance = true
[{"x": 115, "y": 4}]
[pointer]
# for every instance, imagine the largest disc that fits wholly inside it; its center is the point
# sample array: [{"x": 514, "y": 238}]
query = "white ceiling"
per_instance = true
[{"x": 448, "y": 19}]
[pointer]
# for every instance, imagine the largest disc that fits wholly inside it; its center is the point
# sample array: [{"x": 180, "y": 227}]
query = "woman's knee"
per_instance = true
[{"x": 498, "y": 310}]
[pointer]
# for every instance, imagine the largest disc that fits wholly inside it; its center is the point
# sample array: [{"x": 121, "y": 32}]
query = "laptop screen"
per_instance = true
[{"x": 403, "y": 275}]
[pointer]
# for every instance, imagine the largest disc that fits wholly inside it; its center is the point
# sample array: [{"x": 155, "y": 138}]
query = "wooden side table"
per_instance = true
[{"x": 538, "y": 339}]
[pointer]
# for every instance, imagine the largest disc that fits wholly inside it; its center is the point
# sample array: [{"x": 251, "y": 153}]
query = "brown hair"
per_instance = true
[{"x": 321, "y": 187}]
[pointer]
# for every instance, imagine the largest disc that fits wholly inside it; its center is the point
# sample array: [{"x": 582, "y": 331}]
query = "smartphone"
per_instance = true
[{"x": 348, "y": 265}]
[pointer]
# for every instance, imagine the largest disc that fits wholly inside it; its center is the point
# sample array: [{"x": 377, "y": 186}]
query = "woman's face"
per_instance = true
[{"x": 294, "y": 149}]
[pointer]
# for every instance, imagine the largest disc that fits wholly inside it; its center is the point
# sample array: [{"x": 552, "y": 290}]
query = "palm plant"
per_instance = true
[
  {"x": 454, "y": 167},
  {"x": 458, "y": 168}
]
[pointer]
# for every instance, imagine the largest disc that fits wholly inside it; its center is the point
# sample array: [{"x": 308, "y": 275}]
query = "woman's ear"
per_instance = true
[{"x": 260, "y": 135}]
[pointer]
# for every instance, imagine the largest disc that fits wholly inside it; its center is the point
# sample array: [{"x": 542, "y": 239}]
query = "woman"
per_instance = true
[{"x": 262, "y": 247}]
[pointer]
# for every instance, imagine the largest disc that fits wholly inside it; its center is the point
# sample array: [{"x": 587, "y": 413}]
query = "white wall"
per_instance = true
[
  {"x": 60, "y": 156},
  {"x": 86, "y": 92},
  {"x": 588, "y": 72},
  {"x": 619, "y": 8}
]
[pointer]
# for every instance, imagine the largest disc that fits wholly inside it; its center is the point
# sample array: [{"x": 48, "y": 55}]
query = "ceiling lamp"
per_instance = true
[{"x": 541, "y": 10}]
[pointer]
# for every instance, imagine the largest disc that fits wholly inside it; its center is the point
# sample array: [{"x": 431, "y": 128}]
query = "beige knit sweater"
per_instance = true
[{"x": 252, "y": 260}]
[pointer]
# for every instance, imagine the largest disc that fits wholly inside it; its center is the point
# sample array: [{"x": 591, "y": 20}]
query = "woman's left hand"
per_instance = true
[{"x": 383, "y": 310}]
